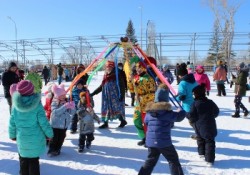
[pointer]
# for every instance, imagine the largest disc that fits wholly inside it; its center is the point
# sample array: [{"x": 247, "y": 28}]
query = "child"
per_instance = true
[
  {"x": 29, "y": 127},
  {"x": 185, "y": 87},
  {"x": 61, "y": 112},
  {"x": 78, "y": 88},
  {"x": 86, "y": 116},
  {"x": 167, "y": 73},
  {"x": 48, "y": 100},
  {"x": 202, "y": 78},
  {"x": 35, "y": 79},
  {"x": 159, "y": 118},
  {"x": 202, "y": 116}
]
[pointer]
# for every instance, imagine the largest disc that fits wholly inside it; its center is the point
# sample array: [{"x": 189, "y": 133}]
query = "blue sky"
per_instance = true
[{"x": 61, "y": 18}]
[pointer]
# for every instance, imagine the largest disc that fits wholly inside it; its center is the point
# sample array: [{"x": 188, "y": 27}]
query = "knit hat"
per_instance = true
[
  {"x": 58, "y": 90},
  {"x": 182, "y": 70},
  {"x": 165, "y": 66},
  {"x": 162, "y": 93},
  {"x": 110, "y": 64},
  {"x": 152, "y": 60},
  {"x": 25, "y": 87},
  {"x": 48, "y": 87},
  {"x": 80, "y": 81},
  {"x": 199, "y": 67},
  {"x": 12, "y": 64},
  {"x": 241, "y": 65},
  {"x": 199, "y": 91},
  {"x": 13, "y": 88}
]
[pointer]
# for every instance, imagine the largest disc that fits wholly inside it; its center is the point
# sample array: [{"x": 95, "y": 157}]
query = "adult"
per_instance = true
[
  {"x": 240, "y": 89},
  {"x": 113, "y": 94},
  {"x": 60, "y": 73},
  {"x": 46, "y": 74},
  {"x": 167, "y": 73},
  {"x": 9, "y": 77},
  {"x": 220, "y": 77},
  {"x": 79, "y": 69},
  {"x": 145, "y": 88}
]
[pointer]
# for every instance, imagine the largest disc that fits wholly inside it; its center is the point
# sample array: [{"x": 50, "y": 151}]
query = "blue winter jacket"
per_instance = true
[
  {"x": 28, "y": 125},
  {"x": 185, "y": 93},
  {"x": 159, "y": 119}
]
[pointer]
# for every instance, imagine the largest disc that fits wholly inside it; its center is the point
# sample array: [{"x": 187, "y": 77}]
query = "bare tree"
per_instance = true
[{"x": 224, "y": 11}]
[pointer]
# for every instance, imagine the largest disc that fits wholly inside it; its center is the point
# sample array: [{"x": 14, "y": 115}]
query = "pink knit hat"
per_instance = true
[
  {"x": 25, "y": 87},
  {"x": 58, "y": 90},
  {"x": 13, "y": 88}
]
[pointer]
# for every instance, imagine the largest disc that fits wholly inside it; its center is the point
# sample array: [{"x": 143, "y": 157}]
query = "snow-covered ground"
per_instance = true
[{"x": 115, "y": 151}]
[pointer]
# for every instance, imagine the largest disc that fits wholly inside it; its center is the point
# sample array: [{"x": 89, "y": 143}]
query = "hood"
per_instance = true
[
  {"x": 25, "y": 103},
  {"x": 158, "y": 108},
  {"x": 188, "y": 78}
]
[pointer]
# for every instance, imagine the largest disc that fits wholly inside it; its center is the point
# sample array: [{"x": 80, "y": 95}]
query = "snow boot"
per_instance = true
[
  {"x": 104, "y": 125},
  {"x": 142, "y": 142},
  {"x": 123, "y": 123}
]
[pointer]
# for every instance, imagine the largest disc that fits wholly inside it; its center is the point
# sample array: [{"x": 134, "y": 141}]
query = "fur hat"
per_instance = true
[
  {"x": 82, "y": 94},
  {"x": 182, "y": 70},
  {"x": 162, "y": 93},
  {"x": 199, "y": 91},
  {"x": 25, "y": 87},
  {"x": 13, "y": 88},
  {"x": 241, "y": 65},
  {"x": 12, "y": 64},
  {"x": 219, "y": 62},
  {"x": 58, "y": 90},
  {"x": 110, "y": 64}
]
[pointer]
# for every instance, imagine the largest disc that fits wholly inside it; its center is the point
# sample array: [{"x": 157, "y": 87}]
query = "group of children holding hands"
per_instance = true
[{"x": 31, "y": 129}]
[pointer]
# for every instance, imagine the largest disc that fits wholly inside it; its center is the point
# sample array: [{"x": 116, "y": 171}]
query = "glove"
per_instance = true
[{"x": 207, "y": 93}]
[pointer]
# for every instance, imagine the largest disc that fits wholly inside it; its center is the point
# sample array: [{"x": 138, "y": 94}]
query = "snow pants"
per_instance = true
[
  {"x": 29, "y": 166},
  {"x": 153, "y": 155}
]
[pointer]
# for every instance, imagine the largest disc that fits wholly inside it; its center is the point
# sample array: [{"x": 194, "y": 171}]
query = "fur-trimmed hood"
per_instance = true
[
  {"x": 25, "y": 103},
  {"x": 158, "y": 108}
]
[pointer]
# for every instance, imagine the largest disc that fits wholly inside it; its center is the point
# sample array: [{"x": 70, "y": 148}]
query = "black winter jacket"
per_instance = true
[
  {"x": 202, "y": 114},
  {"x": 8, "y": 79}
]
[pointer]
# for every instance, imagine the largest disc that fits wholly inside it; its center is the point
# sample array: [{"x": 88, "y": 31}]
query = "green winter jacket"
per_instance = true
[
  {"x": 240, "y": 82},
  {"x": 28, "y": 125},
  {"x": 36, "y": 81}
]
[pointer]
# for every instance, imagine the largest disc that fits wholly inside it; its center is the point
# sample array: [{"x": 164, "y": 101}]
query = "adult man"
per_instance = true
[{"x": 9, "y": 77}]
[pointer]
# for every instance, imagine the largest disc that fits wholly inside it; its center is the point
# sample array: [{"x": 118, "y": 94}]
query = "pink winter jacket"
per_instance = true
[
  {"x": 220, "y": 74},
  {"x": 203, "y": 79}
]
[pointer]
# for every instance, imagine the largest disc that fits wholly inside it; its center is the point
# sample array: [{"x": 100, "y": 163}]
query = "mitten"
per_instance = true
[
  {"x": 67, "y": 105},
  {"x": 207, "y": 93},
  {"x": 71, "y": 105}
]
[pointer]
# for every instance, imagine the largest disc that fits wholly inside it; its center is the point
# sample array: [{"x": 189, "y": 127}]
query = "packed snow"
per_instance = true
[{"x": 115, "y": 151}]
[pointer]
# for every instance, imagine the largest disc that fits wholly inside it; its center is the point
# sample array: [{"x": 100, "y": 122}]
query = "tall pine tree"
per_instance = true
[
  {"x": 214, "y": 52},
  {"x": 130, "y": 32}
]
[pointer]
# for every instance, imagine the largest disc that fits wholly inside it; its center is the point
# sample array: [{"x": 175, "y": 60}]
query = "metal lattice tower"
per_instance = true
[{"x": 151, "y": 45}]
